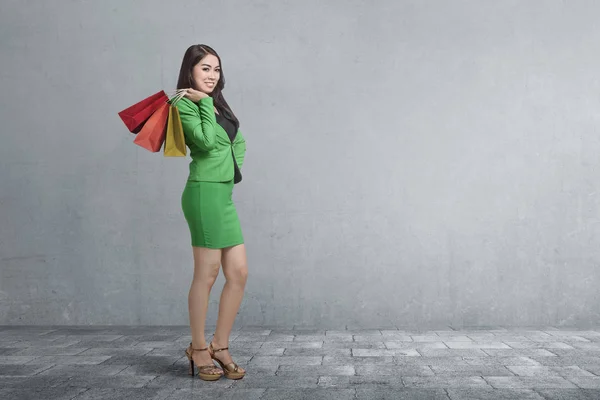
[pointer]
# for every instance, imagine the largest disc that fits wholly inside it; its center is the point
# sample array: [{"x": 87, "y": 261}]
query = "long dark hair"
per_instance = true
[{"x": 192, "y": 56}]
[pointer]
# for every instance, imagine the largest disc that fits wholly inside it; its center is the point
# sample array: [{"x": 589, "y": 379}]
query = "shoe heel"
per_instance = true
[{"x": 191, "y": 369}]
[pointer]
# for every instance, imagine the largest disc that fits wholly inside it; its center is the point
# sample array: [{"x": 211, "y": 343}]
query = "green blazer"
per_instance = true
[{"x": 210, "y": 146}]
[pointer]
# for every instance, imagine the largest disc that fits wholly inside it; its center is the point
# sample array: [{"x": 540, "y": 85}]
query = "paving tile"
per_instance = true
[
  {"x": 293, "y": 345},
  {"x": 273, "y": 337},
  {"x": 341, "y": 381},
  {"x": 93, "y": 337},
  {"x": 503, "y": 338},
  {"x": 520, "y": 352},
  {"x": 571, "y": 371},
  {"x": 353, "y": 345},
  {"x": 452, "y": 352},
  {"x": 309, "y": 338},
  {"x": 510, "y": 360},
  {"x": 582, "y": 333},
  {"x": 476, "y": 345},
  {"x": 123, "y": 352},
  {"x": 46, "y": 342},
  {"x": 594, "y": 369},
  {"x": 385, "y": 352},
  {"x": 154, "y": 369},
  {"x": 286, "y": 360},
  {"x": 493, "y": 394},
  {"x": 50, "y": 351},
  {"x": 375, "y": 381},
  {"x": 39, "y": 394},
  {"x": 15, "y": 360},
  {"x": 428, "y": 338},
  {"x": 74, "y": 370},
  {"x": 576, "y": 353},
  {"x": 365, "y": 332},
  {"x": 23, "y": 369},
  {"x": 185, "y": 382},
  {"x": 483, "y": 336},
  {"x": 391, "y": 345},
  {"x": 565, "y": 361},
  {"x": 124, "y": 394},
  {"x": 283, "y": 382},
  {"x": 527, "y": 382},
  {"x": 316, "y": 352},
  {"x": 471, "y": 370},
  {"x": 219, "y": 393},
  {"x": 342, "y": 360},
  {"x": 34, "y": 383},
  {"x": 395, "y": 333},
  {"x": 340, "y": 332},
  {"x": 69, "y": 360},
  {"x": 308, "y": 330},
  {"x": 369, "y": 338},
  {"x": 116, "y": 382},
  {"x": 429, "y": 361},
  {"x": 400, "y": 394},
  {"x": 441, "y": 381},
  {"x": 318, "y": 370},
  {"x": 569, "y": 394},
  {"x": 537, "y": 345},
  {"x": 268, "y": 351},
  {"x": 458, "y": 338},
  {"x": 585, "y": 382},
  {"x": 308, "y": 394},
  {"x": 539, "y": 336},
  {"x": 137, "y": 360},
  {"x": 398, "y": 370},
  {"x": 116, "y": 344},
  {"x": 590, "y": 346}
]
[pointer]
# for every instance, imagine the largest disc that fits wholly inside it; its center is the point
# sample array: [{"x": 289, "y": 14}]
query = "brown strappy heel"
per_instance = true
[
  {"x": 230, "y": 370},
  {"x": 205, "y": 372}
]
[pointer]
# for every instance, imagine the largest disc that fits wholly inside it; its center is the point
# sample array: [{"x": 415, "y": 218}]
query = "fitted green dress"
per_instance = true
[{"x": 208, "y": 206}]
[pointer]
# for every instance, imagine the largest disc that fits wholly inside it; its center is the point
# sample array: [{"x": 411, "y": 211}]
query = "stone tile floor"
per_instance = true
[{"x": 129, "y": 362}]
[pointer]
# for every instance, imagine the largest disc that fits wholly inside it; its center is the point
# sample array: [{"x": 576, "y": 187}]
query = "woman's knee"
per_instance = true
[
  {"x": 207, "y": 273},
  {"x": 236, "y": 272}
]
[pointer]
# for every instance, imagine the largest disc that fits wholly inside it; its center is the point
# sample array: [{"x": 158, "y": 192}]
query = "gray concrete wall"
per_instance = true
[{"x": 414, "y": 163}]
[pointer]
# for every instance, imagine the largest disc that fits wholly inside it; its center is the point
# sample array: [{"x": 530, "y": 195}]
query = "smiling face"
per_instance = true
[{"x": 206, "y": 74}]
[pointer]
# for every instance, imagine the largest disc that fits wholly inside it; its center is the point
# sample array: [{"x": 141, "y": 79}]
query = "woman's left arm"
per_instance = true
[{"x": 239, "y": 148}]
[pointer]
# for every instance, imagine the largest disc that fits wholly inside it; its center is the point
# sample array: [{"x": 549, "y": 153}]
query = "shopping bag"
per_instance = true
[
  {"x": 174, "y": 140},
  {"x": 136, "y": 115},
  {"x": 152, "y": 135}
]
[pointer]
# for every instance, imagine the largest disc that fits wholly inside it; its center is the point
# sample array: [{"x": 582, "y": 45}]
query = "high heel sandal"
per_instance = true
[
  {"x": 205, "y": 372},
  {"x": 230, "y": 370}
]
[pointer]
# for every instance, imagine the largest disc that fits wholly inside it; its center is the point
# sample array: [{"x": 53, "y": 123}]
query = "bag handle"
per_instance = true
[{"x": 176, "y": 95}]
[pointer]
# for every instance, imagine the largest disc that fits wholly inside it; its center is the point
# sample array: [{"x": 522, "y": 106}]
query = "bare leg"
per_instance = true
[
  {"x": 206, "y": 270},
  {"x": 236, "y": 273}
]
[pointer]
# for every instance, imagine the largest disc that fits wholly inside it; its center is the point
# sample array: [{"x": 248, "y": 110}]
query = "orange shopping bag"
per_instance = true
[{"x": 152, "y": 135}]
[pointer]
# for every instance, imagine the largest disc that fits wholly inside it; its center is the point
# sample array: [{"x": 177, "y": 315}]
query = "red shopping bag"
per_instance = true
[
  {"x": 136, "y": 115},
  {"x": 152, "y": 135}
]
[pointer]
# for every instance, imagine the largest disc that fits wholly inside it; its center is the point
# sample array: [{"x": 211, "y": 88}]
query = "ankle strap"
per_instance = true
[
  {"x": 215, "y": 350},
  {"x": 193, "y": 349}
]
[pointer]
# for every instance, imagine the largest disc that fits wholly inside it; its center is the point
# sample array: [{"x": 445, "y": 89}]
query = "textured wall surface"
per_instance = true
[{"x": 412, "y": 164}]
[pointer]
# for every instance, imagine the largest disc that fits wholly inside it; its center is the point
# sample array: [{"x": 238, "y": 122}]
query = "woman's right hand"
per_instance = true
[{"x": 194, "y": 95}]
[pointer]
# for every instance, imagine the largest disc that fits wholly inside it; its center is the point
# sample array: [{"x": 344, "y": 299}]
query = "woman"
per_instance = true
[{"x": 217, "y": 148}]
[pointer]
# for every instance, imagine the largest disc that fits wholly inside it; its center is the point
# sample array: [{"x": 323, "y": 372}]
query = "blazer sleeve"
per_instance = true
[
  {"x": 239, "y": 149},
  {"x": 199, "y": 123}
]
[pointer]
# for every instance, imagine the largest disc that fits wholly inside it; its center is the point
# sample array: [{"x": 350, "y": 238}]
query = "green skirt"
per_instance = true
[{"x": 211, "y": 215}]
